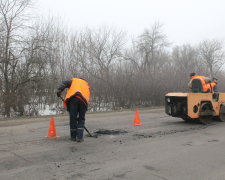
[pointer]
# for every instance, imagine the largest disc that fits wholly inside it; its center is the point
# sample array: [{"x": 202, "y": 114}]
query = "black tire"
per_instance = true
[
  {"x": 187, "y": 119},
  {"x": 174, "y": 109},
  {"x": 221, "y": 117},
  {"x": 205, "y": 119}
]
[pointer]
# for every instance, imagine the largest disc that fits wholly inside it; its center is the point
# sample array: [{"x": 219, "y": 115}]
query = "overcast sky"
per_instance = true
[{"x": 185, "y": 21}]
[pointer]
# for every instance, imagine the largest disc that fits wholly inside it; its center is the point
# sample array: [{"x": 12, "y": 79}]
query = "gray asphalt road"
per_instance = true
[{"x": 162, "y": 148}]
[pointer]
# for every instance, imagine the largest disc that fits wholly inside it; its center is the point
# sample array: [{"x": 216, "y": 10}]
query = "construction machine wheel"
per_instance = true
[
  {"x": 174, "y": 109},
  {"x": 205, "y": 119},
  {"x": 187, "y": 119},
  {"x": 222, "y": 113},
  {"x": 206, "y": 112}
]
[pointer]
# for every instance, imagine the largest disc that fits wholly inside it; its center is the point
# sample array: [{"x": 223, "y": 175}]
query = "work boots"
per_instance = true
[
  {"x": 73, "y": 139},
  {"x": 80, "y": 140},
  {"x": 80, "y": 132},
  {"x": 77, "y": 135},
  {"x": 73, "y": 134}
]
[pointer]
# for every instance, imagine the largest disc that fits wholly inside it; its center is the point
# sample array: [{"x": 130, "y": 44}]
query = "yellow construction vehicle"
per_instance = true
[{"x": 196, "y": 106}]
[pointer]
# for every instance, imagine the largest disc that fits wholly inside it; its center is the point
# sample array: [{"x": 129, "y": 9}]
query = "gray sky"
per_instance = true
[{"x": 185, "y": 21}]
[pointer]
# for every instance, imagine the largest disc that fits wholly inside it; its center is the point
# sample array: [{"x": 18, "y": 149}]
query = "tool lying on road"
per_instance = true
[{"x": 84, "y": 126}]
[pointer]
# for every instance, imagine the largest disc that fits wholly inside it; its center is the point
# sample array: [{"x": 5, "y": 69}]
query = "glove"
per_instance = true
[{"x": 59, "y": 93}]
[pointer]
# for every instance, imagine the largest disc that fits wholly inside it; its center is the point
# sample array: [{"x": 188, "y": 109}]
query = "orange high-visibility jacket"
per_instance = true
[
  {"x": 80, "y": 87},
  {"x": 205, "y": 86},
  {"x": 211, "y": 86}
]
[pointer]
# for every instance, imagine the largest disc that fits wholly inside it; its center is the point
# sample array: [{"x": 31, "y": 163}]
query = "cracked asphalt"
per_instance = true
[{"x": 162, "y": 148}]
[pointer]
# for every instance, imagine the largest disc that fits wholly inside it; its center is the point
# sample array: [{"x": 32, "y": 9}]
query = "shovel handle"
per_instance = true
[
  {"x": 61, "y": 98},
  {"x": 88, "y": 132}
]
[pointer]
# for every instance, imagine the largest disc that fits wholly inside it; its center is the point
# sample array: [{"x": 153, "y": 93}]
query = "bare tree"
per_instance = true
[
  {"x": 11, "y": 21},
  {"x": 101, "y": 52},
  {"x": 149, "y": 57},
  {"x": 211, "y": 51},
  {"x": 150, "y": 43},
  {"x": 185, "y": 59}
]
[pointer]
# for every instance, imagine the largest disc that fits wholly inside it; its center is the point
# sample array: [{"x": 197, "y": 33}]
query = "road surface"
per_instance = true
[{"x": 162, "y": 148}]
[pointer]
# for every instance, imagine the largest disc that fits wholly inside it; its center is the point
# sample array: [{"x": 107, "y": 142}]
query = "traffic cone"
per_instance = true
[
  {"x": 137, "y": 121},
  {"x": 51, "y": 129}
]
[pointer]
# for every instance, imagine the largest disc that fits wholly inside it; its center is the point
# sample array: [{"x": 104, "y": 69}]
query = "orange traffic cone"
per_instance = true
[
  {"x": 52, "y": 130},
  {"x": 137, "y": 121}
]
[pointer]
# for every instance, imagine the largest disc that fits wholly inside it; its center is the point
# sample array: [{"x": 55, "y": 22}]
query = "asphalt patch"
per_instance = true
[{"x": 169, "y": 132}]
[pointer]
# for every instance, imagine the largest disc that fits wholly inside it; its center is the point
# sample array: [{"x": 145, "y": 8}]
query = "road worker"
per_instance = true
[
  {"x": 199, "y": 83},
  {"x": 214, "y": 85},
  {"x": 76, "y": 101},
  {"x": 214, "y": 89}
]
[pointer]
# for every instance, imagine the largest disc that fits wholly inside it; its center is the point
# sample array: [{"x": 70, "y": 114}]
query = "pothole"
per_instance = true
[{"x": 110, "y": 132}]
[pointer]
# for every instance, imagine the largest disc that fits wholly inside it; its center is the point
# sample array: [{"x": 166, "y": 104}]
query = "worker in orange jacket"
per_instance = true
[
  {"x": 213, "y": 85},
  {"x": 199, "y": 83},
  {"x": 76, "y": 101}
]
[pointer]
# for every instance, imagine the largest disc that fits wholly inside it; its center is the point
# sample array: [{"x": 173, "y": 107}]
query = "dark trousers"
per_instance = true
[{"x": 77, "y": 109}]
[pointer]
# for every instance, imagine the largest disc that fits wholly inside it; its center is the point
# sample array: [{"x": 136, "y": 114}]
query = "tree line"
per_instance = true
[{"x": 122, "y": 72}]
